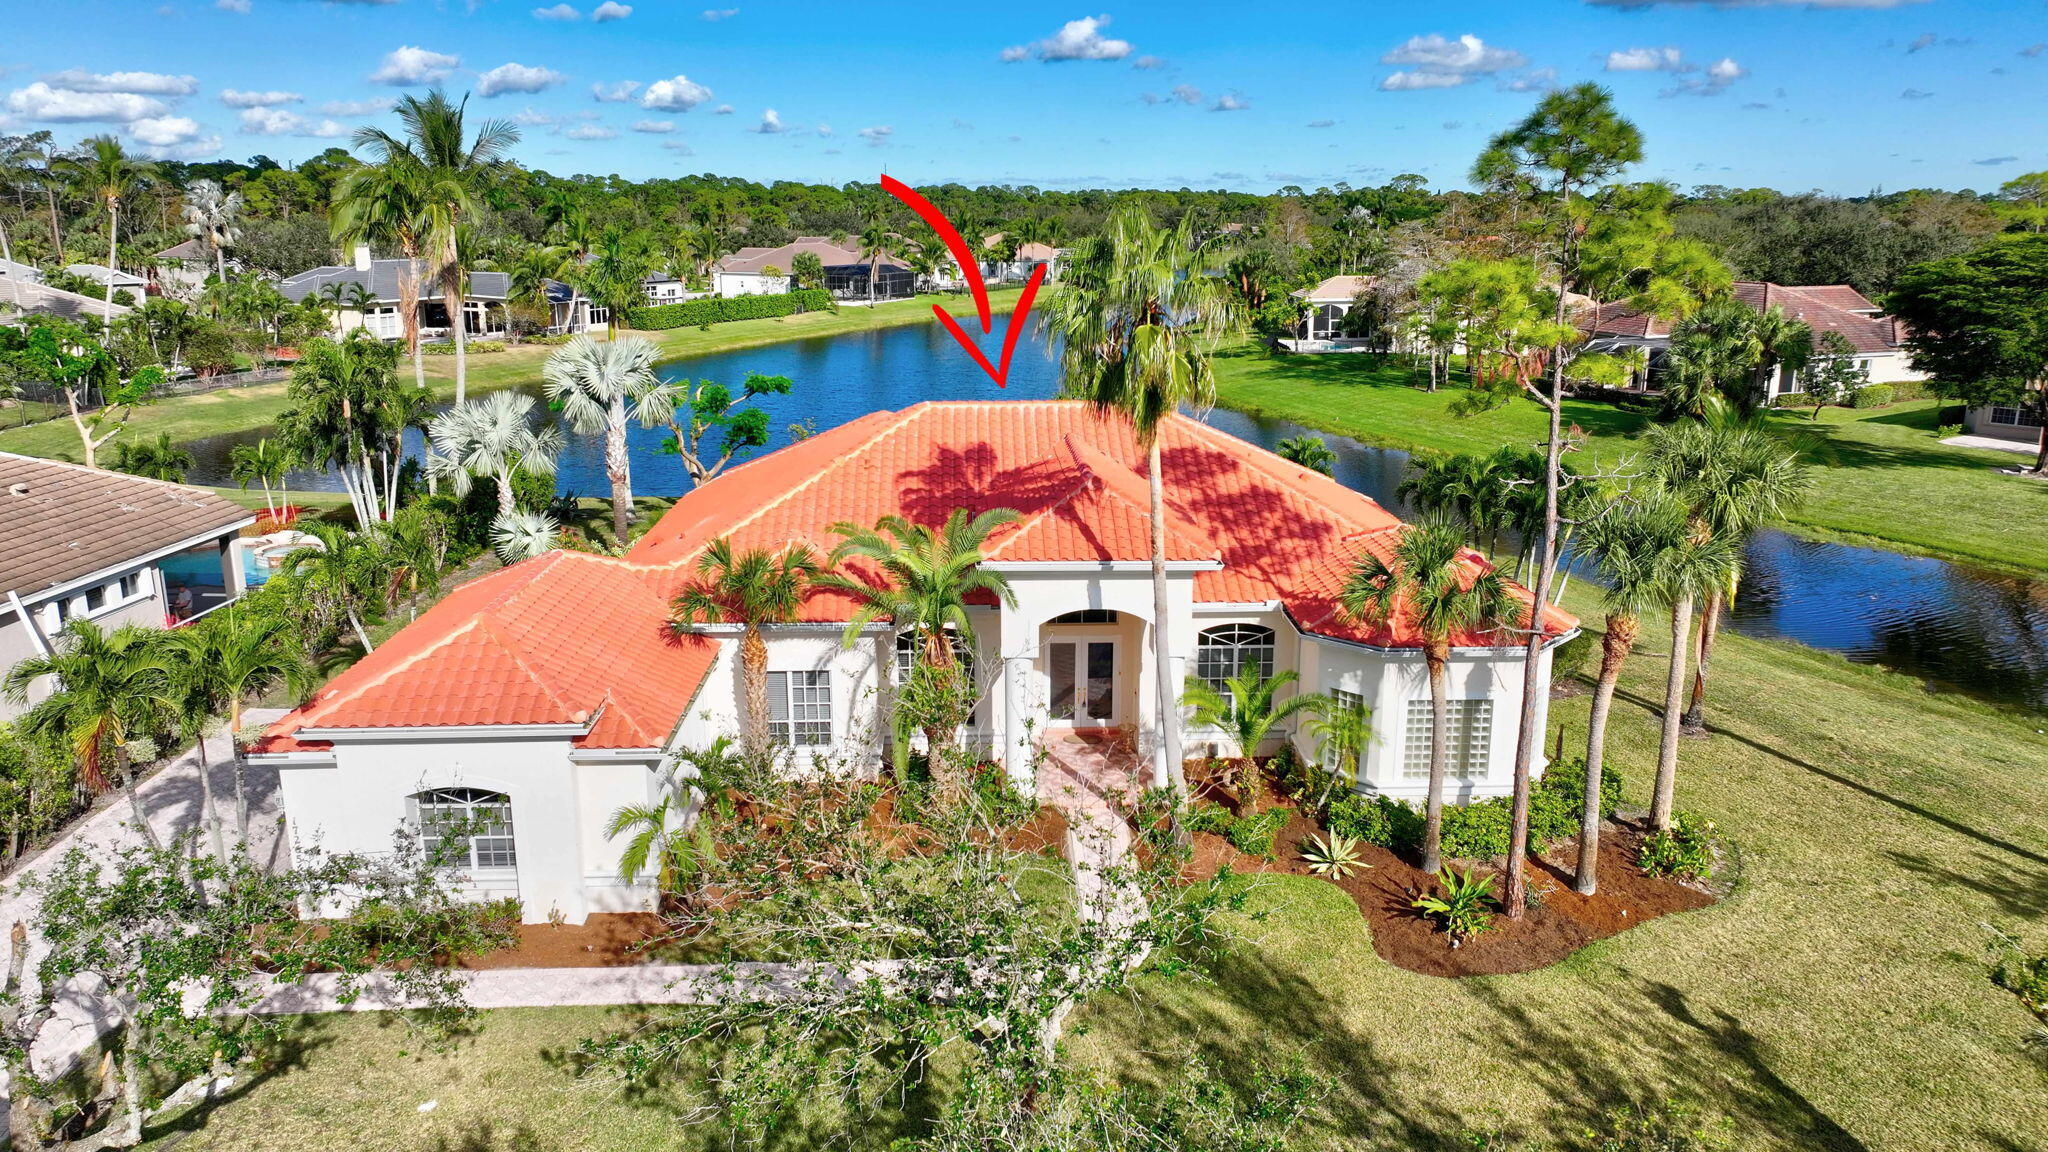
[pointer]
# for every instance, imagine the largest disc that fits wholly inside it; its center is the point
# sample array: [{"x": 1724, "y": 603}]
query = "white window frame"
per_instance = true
[
  {"x": 1470, "y": 724},
  {"x": 800, "y": 713},
  {"x": 1211, "y": 649},
  {"x": 493, "y": 850}
]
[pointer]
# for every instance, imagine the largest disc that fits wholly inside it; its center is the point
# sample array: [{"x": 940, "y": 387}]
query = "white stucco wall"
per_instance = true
[{"x": 858, "y": 684}]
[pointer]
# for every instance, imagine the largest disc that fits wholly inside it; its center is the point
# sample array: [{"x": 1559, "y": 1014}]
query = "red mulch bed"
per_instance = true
[
  {"x": 606, "y": 940},
  {"x": 1561, "y": 923}
]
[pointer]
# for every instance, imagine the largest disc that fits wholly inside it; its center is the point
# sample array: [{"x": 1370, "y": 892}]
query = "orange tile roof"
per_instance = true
[{"x": 570, "y": 634}]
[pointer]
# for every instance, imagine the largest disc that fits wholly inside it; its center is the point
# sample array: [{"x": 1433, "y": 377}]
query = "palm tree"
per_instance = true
[
  {"x": 919, "y": 579},
  {"x": 524, "y": 535},
  {"x": 344, "y": 573},
  {"x": 1444, "y": 593},
  {"x": 615, "y": 274},
  {"x": 754, "y": 588},
  {"x": 263, "y": 463},
  {"x": 158, "y": 459},
  {"x": 531, "y": 270},
  {"x": 247, "y": 653},
  {"x": 110, "y": 691},
  {"x": 591, "y": 383},
  {"x": 453, "y": 167},
  {"x": 1690, "y": 575},
  {"x": 665, "y": 833},
  {"x": 1136, "y": 319},
  {"x": 1784, "y": 342},
  {"x": 387, "y": 203},
  {"x": 875, "y": 241},
  {"x": 416, "y": 543},
  {"x": 103, "y": 171},
  {"x": 1636, "y": 548},
  {"x": 350, "y": 415},
  {"x": 1733, "y": 477},
  {"x": 1714, "y": 354},
  {"x": 491, "y": 437},
  {"x": 807, "y": 269},
  {"x": 212, "y": 215},
  {"x": 1342, "y": 733},
  {"x": 1245, "y": 709}
]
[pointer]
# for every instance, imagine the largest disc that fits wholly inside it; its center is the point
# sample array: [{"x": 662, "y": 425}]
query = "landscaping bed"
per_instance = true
[{"x": 606, "y": 940}]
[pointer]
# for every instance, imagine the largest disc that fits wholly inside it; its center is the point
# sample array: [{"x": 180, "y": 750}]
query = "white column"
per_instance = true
[{"x": 1015, "y": 734}]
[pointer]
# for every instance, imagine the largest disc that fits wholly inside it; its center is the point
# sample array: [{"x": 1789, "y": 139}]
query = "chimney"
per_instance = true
[{"x": 362, "y": 257}]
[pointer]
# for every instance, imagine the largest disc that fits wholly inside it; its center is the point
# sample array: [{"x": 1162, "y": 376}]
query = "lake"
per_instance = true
[{"x": 1948, "y": 624}]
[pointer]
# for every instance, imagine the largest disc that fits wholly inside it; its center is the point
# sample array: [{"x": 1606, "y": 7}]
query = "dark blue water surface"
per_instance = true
[{"x": 1948, "y": 624}]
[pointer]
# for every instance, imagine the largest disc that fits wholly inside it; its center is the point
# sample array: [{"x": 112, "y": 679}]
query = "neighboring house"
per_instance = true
[
  {"x": 180, "y": 271},
  {"x": 570, "y": 311},
  {"x": 1324, "y": 308},
  {"x": 1019, "y": 267},
  {"x": 663, "y": 288},
  {"x": 746, "y": 272},
  {"x": 542, "y": 697},
  {"x": 483, "y": 304},
  {"x": 82, "y": 543},
  {"x": 19, "y": 271},
  {"x": 100, "y": 274},
  {"x": 1878, "y": 340},
  {"x": 2023, "y": 425},
  {"x": 19, "y": 295}
]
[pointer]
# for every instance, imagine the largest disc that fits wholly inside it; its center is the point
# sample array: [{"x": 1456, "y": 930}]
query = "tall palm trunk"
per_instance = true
[
  {"x": 1674, "y": 691},
  {"x": 458, "y": 324},
  {"x": 409, "y": 305},
  {"x": 362, "y": 635},
  {"x": 241, "y": 787},
  {"x": 113, "y": 236},
  {"x": 1615, "y": 644},
  {"x": 129, "y": 786},
  {"x": 754, "y": 673},
  {"x": 213, "y": 832},
  {"x": 1173, "y": 775},
  {"x": 1436, "y": 654},
  {"x": 1710, "y": 626},
  {"x": 618, "y": 469}
]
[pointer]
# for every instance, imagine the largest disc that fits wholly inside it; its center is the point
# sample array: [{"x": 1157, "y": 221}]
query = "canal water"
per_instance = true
[{"x": 1948, "y": 624}]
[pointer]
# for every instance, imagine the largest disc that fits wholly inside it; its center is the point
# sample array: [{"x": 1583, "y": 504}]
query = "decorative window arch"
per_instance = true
[
  {"x": 1222, "y": 650},
  {"x": 466, "y": 827}
]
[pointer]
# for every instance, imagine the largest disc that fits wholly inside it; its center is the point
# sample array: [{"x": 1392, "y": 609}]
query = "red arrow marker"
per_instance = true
[{"x": 971, "y": 270}]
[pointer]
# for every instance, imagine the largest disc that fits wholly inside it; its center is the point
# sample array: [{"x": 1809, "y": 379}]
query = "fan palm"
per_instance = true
[
  {"x": 523, "y": 535},
  {"x": 491, "y": 437},
  {"x": 213, "y": 217},
  {"x": 1136, "y": 319},
  {"x": 919, "y": 579},
  {"x": 109, "y": 691},
  {"x": 1246, "y": 708},
  {"x": 665, "y": 833},
  {"x": 754, "y": 589},
  {"x": 451, "y": 167},
  {"x": 104, "y": 171},
  {"x": 1442, "y": 593},
  {"x": 592, "y": 383}
]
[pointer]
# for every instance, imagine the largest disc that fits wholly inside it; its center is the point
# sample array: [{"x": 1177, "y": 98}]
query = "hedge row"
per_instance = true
[{"x": 719, "y": 309}]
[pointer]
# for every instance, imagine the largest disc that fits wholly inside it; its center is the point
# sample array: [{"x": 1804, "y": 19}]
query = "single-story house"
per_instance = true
[
  {"x": 1878, "y": 340},
  {"x": 570, "y": 311},
  {"x": 537, "y": 700},
  {"x": 180, "y": 271},
  {"x": 100, "y": 274},
  {"x": 1029, "y": 256},
  {"x": 83, "y": 543},
  {"x": 751, "y": 271},
  {"x": 377, "y": 306},
  {"x": 20, "y": 295},
  {"x": 2019, "y": 423},
  {"x": 20, "y": 271},
  {"x": 1324, "y": 307}
]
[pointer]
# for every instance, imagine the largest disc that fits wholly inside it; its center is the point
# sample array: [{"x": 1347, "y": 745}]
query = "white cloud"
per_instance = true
[
  {"x": 771, "y": 123},
  {"x": 676, "y": 95},
  {"x": 1230, "y": 102},
  {"x": 1322, "y": 123},
  {"x": 1433, "y": 61},
  {"x": 1712, "y": 82},
  {"x": 39, "y": 101},
  {"x": 1647, "y": 60},
  {"x": 134, "y": 83},
  {"x": 659, "y": 127},
  {"x": 165, "y": 131},
  {"x": 516, "y": 78},
  {"x": 528, "y": 118},
  {"x": 591, "y": 132},
  {"x": 232, "y": 5},
  {"x": 280, "y": 122},
  {"x": 234, "y": 98},
  {"x": 610, "y": 10},
  {"x": 714, "y": 15},
  {"x": 409, "y": 66},
  {"x": 1534, "y": 80},
  {"x": 824, "y": 129},
  {"x": 1187, "y": 94},
  {"x": 878, "y": 135},
  {"x": 722, "y": 110},
  {"x": 619, "y": 93},
  {"x": 1148, "y": 63},
  {"x": 678, "y": 147},
  {"x": 558, "y": 12},
  {"x": 1076, "y": 40},
  {"x": 374, "y": 107}
]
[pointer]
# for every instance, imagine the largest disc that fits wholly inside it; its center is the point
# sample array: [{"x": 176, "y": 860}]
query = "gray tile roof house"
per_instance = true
[
  {"x": 99, "y": 273},
  {"x": 19, "y": 270},
  {"x": 381, "y": 280},
  {"x": 60, "y": 522},
  {"x": 19, "y": 294}
]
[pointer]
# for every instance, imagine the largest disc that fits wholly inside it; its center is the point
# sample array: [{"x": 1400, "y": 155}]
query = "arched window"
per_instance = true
[
  {"x": 1222, "y": 650},
  {"x": 466, "y": 827}
]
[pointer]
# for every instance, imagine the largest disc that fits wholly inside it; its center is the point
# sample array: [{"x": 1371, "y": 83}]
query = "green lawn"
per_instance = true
[
  {"x": 1883, "y": 474},
  {"x": 240, "y": 409},
  {"x": 1835, "y": 1001}
]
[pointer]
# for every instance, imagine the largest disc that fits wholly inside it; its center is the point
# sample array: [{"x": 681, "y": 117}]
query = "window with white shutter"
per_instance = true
[{"x": 800, "y": 708}]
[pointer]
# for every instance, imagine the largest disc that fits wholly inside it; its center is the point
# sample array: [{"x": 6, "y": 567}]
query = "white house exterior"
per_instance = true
[
  {"x": 1324, "y": 308},
  {"x": 86, "y": 544},
  {"x": 1028, "y": 257},
  {"x": 367, "y": 292},
  {"x": 547, "y": 695},
  {"x": 753, "y": 271}
]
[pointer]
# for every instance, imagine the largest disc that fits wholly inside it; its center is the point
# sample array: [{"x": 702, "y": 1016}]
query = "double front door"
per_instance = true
[{"x": 1082, "y": 671}]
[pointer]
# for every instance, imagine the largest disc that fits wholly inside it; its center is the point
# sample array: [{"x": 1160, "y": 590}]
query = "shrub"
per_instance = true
[
  {"x": 1477, "y": 831},
  {"x": 1557, "y": 802},
  {"x": 1461, "y": 910},
  {"x": 718, "y": 310},
  {"x": 1675, "y": 1127},
  {"x": 1871, "y": 396},
  {"x": 1209, "y": 818},
  {"x": 1909, "y": 389},
  {"x": 1255, "y": 835},
  {"x": 1687, "y": 850},
  {"x": 2020, "y": 972},
  {"x": 1380, "y": 821},
  {"x": 469, "y": 347}
]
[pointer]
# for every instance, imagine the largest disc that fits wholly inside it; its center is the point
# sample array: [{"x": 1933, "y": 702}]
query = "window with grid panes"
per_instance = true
[
  {"x": 1470, "y": 725},
  {"x": 1221, "y": 651},
  {"x": 466, "y": 827},
  {"x": 800, "y": 708}
]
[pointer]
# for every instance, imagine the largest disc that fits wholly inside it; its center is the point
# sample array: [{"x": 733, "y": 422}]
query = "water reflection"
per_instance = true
[{"x": 1952, "y": 625}]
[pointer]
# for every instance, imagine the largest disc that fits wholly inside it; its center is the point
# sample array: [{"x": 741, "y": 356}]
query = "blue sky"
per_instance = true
[{"x": 1840, "y": 95}]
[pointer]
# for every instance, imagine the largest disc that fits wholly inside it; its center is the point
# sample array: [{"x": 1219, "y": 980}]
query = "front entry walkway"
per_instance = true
[{"x": 1094, "y": 776}]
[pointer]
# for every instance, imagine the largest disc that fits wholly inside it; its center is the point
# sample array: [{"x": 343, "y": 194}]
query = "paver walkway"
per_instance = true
[{"x": 1092, "y": 778}]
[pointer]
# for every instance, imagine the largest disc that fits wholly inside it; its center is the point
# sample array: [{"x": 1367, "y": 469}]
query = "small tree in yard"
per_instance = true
[
  {"x": 1832, "y": 375},
  {"x": 186, "y": 945},
  {"x": 695, "y": 413}
]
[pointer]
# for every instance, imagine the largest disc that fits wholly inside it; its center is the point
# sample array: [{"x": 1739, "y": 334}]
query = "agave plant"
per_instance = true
[
  {"x": 1333, "y": 856},
  {"x": 1462, "y": 909}
]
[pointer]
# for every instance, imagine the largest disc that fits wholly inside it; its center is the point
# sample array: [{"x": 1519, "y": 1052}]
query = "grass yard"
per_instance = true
[
  {"x": 1883, "y": 475},
  {"x": 1836, "y": 1001},
  {"x": 257, "y": 406}
]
